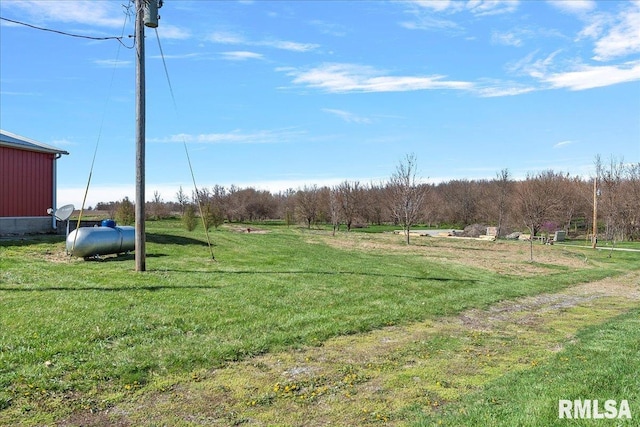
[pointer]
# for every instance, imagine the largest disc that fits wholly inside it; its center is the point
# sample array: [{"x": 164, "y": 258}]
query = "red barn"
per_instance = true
[{"x": 27, "y": 184}]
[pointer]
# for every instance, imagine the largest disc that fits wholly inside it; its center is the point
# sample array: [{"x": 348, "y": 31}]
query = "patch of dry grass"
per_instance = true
[{"x": 502, "y": 257}]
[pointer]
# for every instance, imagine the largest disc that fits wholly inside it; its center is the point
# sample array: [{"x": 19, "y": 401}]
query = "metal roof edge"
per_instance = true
[{"x": 17, "y": 141}]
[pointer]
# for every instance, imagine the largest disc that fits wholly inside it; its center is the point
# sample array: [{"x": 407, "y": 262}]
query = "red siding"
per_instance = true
[{"x": 26, "y": 184}]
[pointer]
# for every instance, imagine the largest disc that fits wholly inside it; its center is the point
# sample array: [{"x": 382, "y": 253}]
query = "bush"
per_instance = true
[
  {"x": 125, "y": 212},
  {"x": 189, "y": 218},
  {"x": 213, "y": 216}
]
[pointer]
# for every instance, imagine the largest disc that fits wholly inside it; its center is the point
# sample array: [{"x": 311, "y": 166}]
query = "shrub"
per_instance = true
[
  {"x": 125, "y": 212},
  {"x": 189, "y": 218}
]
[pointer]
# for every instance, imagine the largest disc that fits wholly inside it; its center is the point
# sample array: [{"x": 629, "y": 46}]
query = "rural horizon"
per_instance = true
[{"x": 311, "y": 213}]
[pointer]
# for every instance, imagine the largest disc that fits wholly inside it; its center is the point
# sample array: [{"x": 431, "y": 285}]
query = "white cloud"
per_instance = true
[
  {"x": 232, "y": 38},
  {"x": 287, "y": 45},
  {"x": 435, "y": 5},
  {"x": 180, "y": 56},
  {"x": 588, "y": 77},
  {"x": 430, "y": 14},
  {"x": 241, "y": 55},
  {"x": 425, "y": 18},
  {"x": 347, "y": 116},
  {"x": 497, "y": 89},
  {"x": 492, "y": 7},
  {"x": 573, "y": 6},
  {"x": 623, "y": 38},
  {"x": 595, "y": 26},
  {"x": 563, "y": 144},
  {"x": 112, "y": 63},
  {"x": 225, "y": 37},
  {"x": 341, "y": 78},
  {"x": 235, "y": 137},
  {"x": 507, "y": 39},
  {"x": 477, "y": 7},
  {"x": 533, "y": 67},
  {"x": 166, "y": 31},
  {"x": 574, "y": 75},
  {"x": 430, "y": 23},
  {"x": 91, "y": 13}
]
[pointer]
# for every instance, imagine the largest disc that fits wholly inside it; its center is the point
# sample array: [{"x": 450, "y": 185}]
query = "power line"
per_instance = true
[{"x": 64, "y": 33}]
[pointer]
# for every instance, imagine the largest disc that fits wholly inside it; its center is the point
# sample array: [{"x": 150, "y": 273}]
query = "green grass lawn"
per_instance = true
[
  {"x": 84, "y": 335},
  {"x": 601, "y": 365}
]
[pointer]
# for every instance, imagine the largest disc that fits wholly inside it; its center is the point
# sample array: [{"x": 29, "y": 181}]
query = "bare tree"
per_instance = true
[
  {"x": 287, "y": 206},
  {"x": 504, "y": 186},
  {"x": 539, "y": 198},
  {"x": 307, "y": 204},
  {"x": 234, "y": 204},
  {"x": 574, "y": 203},
  {"x": 461, "y": 201},
  {"x": 157, "y": 208},
  {"x": 611, "y": 197},
  {"x": 334, "y": 209},
  {"x": 183, "y": 199},
  {"x": 350, "y": 197},
  {"x": 374, "y": 206},
  {"x": 632, "y": 201},
  {"x": 407, "y": 194}
]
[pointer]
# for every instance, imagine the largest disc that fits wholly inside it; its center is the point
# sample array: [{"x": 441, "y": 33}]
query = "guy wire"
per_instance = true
[
  {"x": 184, "y": 143},
  {"x": 95, "y": 151}
]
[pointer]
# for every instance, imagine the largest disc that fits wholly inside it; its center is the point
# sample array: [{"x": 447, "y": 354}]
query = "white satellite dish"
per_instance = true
[{"x": 64, "y": 212}]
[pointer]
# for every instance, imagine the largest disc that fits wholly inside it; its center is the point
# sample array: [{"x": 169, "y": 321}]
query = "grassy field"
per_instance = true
[{"x": 295, "y": 327}]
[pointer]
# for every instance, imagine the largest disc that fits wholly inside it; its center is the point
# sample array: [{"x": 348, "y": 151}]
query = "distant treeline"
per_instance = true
[{"x": 545, "y": 201}]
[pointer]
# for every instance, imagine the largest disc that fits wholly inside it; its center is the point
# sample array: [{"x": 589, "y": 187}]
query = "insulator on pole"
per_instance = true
[{"x": 151, "y": 13}]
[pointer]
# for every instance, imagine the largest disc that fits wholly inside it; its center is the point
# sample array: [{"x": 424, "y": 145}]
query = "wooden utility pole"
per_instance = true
[
  {"x": 140, "y": 242},
  {"x": 594, "y": 238}
]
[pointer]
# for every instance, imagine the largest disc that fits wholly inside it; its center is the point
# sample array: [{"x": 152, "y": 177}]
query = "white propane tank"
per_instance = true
[{"x": 93, "y": 241}]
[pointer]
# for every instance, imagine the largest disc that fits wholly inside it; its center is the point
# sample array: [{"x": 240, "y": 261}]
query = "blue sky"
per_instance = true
[{"x": 282, "y": 94}]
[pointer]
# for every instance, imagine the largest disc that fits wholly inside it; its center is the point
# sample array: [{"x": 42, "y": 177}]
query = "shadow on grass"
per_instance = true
[
  {"x": 351, "y": 273},
  {"x": 8, "y": 241},
  {"x": 120, "y": 257},
  {"x": 162, "y": 239},
  {"x": 149, "y": 288},
  {"x": 153, "y": 288},
  {"x": 170, "y": 239}
]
